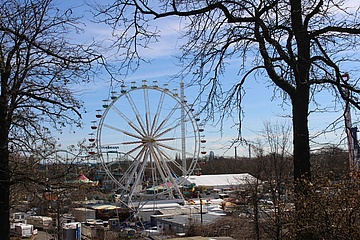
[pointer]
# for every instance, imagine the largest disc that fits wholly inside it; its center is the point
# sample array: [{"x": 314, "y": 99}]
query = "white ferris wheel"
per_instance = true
[{"x": 158, "y": 137}]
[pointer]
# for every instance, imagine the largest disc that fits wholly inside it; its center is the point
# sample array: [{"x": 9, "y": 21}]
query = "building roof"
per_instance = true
[
  {"x": 220, "y": 180},
  {"x": 188, "y": 210},
  {"x": 184, "y": 219},
  {"x": 103, "y": 207}
]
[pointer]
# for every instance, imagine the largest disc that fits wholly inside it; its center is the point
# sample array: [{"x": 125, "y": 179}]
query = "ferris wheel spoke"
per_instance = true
[
  {"x": 170, "y": 128},
  {"x": 147, "y": 111},
  {"x": 132, "y": 142},
  {"x": 122, "y": 131},
  {"x": 123, "y": 116},
  {"x": 135, "y": 149},
  {"x": 137, "y": 113},
  {"x": 164, "y": 132},
  {"x": 177, "y": 165},
  {"x": 158, "y": 111},
  {"x": 166, "y": 119},
  {"x": 172, "y": 161},
  {"x": 140, "y": 174},
  {"x": 165, "y": 139},
  {"x": 170, "y": 177},
  {"x": 172, "y": 148},
  {"x": 161, "y": 166},
  {"x": 177, "y": 122},
  {"x": 171, "y": 138},
  {"x": 134, "y": 167},
  {"x": 172, "y": 174},
  {"x": 168, "y": 159}
]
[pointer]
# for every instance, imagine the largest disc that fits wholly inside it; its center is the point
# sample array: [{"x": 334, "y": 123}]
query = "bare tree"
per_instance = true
[
  {"x": 276, "y": 171},
  {"x": 330, "y": 161},
  {"x": 300, "y": 46},
  {"x": 272, "y": 164},
  {"x": 332, "y": 211},
  {"x": 38, "y": 65}
]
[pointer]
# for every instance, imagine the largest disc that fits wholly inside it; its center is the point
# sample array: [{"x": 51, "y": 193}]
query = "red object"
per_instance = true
[
  {"x": 50, "y": 196},
  {"x": 82, "y": 177}
]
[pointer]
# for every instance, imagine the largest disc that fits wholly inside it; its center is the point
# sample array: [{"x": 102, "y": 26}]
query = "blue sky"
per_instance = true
[{"x": 258, "y": 107}]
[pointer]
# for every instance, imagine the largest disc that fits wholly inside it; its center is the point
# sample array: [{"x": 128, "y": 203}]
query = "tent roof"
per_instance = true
[
  {"x": 82, "y": 177},
  {"x": 220, "y": 180}
]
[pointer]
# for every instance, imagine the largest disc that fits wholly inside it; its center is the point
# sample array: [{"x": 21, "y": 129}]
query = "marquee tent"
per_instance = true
[{"x": 220, "y": 180}]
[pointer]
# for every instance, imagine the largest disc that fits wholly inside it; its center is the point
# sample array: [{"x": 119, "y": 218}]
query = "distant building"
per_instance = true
[
  {"x": 180, "y": 223},
  {"x": 83, "y": 214}
]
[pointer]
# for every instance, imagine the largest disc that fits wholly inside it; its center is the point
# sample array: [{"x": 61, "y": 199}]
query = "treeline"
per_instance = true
[{"x": 332, "y": 162}]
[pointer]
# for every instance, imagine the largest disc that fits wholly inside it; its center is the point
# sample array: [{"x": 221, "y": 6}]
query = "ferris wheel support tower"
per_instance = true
[{"x": 183, "y": 142}]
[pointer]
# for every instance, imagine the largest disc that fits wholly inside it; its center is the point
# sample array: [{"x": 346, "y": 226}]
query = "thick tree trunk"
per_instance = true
[
  {"x": 302, "y": 172},
  {"x": 300, "y": 98},
  {"x": 301, "y": 134},
  {"x": 4, "y": 186},
  {"x": 4, "y": 161}
]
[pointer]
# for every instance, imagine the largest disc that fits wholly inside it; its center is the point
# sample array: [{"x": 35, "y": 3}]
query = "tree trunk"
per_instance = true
[
  {"x": 302, "y": 172},
  {"x": 300, "y": 98},
  {"x": 4, "y": 184},
  {"x": 301, "y": 134},
  {"x": 4, "y": 161}
]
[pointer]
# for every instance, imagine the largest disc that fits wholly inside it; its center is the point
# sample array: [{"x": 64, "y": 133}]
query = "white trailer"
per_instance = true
[
  {"x": 40, "y": 222},
  {"x": 24, "y": 230}
]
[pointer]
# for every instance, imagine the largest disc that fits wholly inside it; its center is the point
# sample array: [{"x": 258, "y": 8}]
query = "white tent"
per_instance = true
[{"x": 220, "y": 180}]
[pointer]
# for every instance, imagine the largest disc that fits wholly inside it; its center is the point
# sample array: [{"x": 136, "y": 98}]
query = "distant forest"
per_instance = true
[{"x": 332, "y": 162}]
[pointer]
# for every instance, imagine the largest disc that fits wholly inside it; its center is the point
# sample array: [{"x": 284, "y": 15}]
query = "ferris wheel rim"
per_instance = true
[{"x": 144, "y": 129}]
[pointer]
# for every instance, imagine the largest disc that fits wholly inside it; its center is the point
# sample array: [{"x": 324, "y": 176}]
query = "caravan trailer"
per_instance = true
[
  {"x": 23, "y": 230},
  {"x": 39, "y": 222}
]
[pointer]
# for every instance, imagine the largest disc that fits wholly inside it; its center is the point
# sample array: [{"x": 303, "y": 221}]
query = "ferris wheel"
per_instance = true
[{"x": 158, "y": 136}]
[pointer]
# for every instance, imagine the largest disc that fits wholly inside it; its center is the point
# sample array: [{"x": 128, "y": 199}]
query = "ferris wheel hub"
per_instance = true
[{"x": 148, "y": 140}]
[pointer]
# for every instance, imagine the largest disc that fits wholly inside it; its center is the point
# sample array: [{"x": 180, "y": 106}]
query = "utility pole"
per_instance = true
[{"x": 201, "y": 212}]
